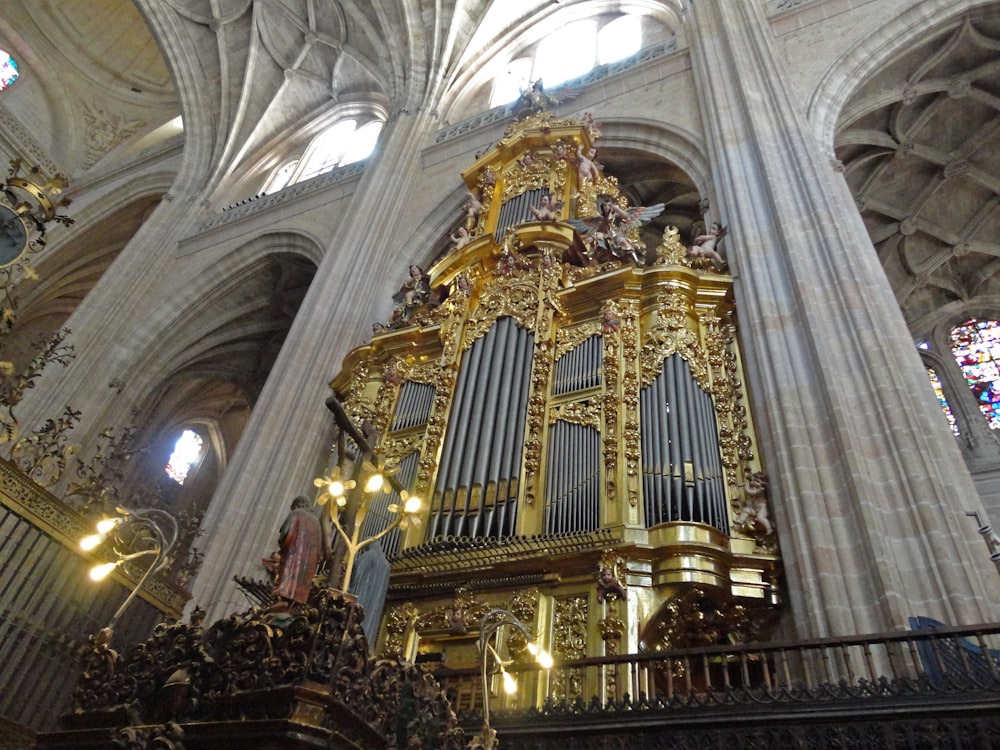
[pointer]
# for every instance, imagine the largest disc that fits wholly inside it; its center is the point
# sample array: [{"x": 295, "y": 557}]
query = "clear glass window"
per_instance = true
[
  {"x": 327, "y": 150},
  {"x": 362, "y": 143},
  {"x": 619, "y": 39},
  {"x": 507, "y": 87},
  {"x": 566, "y": 54},
  {"x": 281, "y": 177}
]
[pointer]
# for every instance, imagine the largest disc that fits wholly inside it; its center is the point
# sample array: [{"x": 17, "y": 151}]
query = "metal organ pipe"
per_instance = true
[
  {"x": 679, "y": 430},
  {"x": 414, "y": 407},
  {"x": 485, "y": 431},
  {"x": 515, "y": 211},
  {"x": 492, "y": 344},
  {"x": 516, "y": 420}
]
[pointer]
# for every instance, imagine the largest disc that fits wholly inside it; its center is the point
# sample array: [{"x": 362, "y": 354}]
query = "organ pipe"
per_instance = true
[{"x": 483, "y": 445}]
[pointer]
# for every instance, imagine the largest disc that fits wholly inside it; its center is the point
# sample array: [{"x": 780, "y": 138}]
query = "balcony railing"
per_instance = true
[{"x": 917, "y": 675}]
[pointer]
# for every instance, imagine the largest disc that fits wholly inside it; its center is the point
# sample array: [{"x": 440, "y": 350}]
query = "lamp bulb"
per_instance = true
[
  {"x": 412, "y": 504},
  {"x": 107, "y": 524},
  {"x": 100, "y": 572},
  {"x": 509, "y": 683},
  {"x": 90, "y": 542},
  {"x": 374, "y": 483}
]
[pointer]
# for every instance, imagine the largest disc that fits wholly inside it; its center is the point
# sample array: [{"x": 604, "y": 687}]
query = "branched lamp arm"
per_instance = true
[{"x": 146, "y": 518}]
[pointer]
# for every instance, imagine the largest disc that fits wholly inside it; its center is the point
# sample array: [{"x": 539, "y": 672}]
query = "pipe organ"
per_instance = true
[{"x": 569, "y": 404}]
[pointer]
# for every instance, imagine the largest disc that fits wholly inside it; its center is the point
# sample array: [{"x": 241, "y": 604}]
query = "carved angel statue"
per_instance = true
[
  {"x": 587, "y": 166},
  {"x": 548, "y": 210},
  {"x": 753, "y": 516},
  {"x": 414, "y": 292},
  {"x": 472, "y": 208},
  {"x": 535, "y": 99},
  {"x": 609, "y": 230},
  {"x": 704, "y": 245},
  {"x": 460, "y": 238},
  {"x": 593, "y": 128}
]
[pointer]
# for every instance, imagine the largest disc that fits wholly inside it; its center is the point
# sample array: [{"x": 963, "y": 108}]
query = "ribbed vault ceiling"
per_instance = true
[{"x": 920, "y": 143}]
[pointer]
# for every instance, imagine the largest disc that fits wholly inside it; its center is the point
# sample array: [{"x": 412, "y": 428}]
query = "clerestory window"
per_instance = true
[{"x": 572, "y": 51}]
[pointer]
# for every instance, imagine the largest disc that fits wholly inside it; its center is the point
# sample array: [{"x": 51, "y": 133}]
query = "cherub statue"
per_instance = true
[
  {"x": 704, "y": 245},
  {"x": 508, "y": 265},
  {"x": 753, "y": 516},
  {"x": 472, "y": 208},
  {"x": 548, "y": 210},
  {"x": 587, "y": 167},
  {"x": 460, "y": 238},
  {"x": 593, "y": 128},
  {"x": 609, "y": 587},
  {"x": 756, "y": 490},
  {"x": 610, "y": 322},
  {"x": 416, "y": 290}
]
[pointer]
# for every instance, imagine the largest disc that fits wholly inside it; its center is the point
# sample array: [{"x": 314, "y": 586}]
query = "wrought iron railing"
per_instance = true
[{"x": 937, "y": 665}]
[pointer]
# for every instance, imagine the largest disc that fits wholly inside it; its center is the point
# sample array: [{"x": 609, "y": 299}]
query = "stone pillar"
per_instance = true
[
  {"x": 868, "y": 498},
  {"x": 288, "y": 436}
]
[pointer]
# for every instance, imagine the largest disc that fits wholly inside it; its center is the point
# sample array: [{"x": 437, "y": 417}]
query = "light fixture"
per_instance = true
[
  {"x": 153, "y": 533},
  {"x": 373, "y": 475},
  {"x": 491, "y": 624}
]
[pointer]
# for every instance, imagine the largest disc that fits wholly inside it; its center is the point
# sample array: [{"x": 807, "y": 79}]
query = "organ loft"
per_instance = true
[{"x": 564, "y": 387}]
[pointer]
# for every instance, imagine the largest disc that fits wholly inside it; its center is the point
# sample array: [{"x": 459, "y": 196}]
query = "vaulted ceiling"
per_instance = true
[{"x": 920, "y": 144}]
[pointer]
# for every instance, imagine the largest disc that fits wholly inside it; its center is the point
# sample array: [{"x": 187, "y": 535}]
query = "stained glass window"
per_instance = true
[
  {"x": 939, "y": 392},
  {"x": 8, "y": 70},
  {"x": 187, "y": 452},
  {"x": 976, "y": 346}
]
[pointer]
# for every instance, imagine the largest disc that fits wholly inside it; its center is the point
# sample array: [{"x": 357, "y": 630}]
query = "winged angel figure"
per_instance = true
[
  {"x": 535, "y": 99},
  {"x": 609, "y": 230}
]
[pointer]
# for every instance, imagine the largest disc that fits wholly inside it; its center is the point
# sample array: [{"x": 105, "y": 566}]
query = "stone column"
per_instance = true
[
  {"x": 868, "y": 497},
  {"x": 288, "y": 436}
]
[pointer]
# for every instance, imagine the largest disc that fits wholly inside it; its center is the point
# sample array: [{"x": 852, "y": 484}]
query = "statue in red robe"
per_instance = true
[{"x": 301, "y": 542}]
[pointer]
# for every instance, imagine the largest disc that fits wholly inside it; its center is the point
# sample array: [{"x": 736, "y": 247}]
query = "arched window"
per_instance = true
[
  {"x": 619, "y": 39},
  {"x": 362, "y": 143},
  {"x": 8, "y": 70},
  {"x": 976, "y": 346},
  {"x": 507, "y": 86},
  {"x": 327, "y": 150},
  {"x": 187, "y": 453},
  {"x": 281, "y": 177},
  {"x": 939, "y": 392},
  {"x": 566, "y": 54}
]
